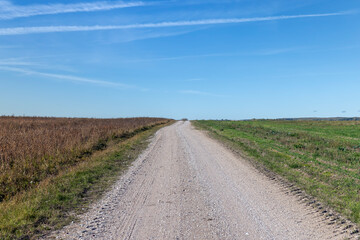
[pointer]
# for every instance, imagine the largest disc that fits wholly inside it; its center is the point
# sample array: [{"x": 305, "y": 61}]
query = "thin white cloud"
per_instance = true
[
  {"x": 10, "y": 11},
  {"x": 16, "y": 62},
  {"x": 200, "y": 93},
  {"x": 65, "y": 77},
  {"x": 194, "y": 92},
  {"x": 54, "y": 29},
  {"x": 264, "y": 52},
  {"x": 185, "y": 57},
  {"x": 276, "y": 51},
  {"x": 143, "y": 35},
  {"x": 27, "y": 61},
  {"x": 194, "y": 80}
]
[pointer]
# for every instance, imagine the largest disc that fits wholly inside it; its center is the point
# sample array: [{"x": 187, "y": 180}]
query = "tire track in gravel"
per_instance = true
[{"x": 188, "y": 186}]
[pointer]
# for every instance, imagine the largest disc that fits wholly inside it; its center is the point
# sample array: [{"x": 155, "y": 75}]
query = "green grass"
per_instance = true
[
  {"x": 321, "y": 157},
  {"x": 55, "y": 202}
]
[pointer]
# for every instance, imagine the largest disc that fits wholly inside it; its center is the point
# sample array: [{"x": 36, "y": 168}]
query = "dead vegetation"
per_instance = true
[{"x": 33, "y": 148}]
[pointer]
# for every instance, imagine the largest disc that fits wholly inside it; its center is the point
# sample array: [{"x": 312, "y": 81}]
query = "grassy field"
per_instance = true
[
  {"x": 52, "y": 167},
  {"x": 321, "y": 157}
]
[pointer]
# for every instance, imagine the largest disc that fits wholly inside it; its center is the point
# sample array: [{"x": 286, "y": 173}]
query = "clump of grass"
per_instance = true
[
  {"x": 322, "y": 157},
  {"x": 32, "y": 148}
]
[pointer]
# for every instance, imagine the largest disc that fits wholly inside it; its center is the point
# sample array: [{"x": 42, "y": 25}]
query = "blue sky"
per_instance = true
[{"x": 229, "y": 59}]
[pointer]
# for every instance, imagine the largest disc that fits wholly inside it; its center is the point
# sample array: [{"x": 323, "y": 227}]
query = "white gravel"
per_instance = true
[{"x": 188, "y": 186}]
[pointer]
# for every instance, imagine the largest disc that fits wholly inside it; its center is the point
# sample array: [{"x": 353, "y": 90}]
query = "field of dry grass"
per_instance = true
[{"x": 33, "y": 148}]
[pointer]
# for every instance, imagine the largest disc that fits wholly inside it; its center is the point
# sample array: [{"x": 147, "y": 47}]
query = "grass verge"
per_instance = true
[
  {"x": 322, "y": 157},
  {"x": 56, "y": 201}
]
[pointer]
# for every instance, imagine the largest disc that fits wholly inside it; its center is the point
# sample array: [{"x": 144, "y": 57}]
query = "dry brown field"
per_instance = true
[{"x": 33, "y": 148}]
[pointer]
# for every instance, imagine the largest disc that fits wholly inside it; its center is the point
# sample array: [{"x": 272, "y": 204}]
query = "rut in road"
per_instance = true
[{"x": 188, "y": 186}]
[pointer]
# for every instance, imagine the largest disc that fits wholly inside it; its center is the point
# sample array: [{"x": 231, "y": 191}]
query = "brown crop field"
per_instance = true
[{"x": 33, "y": 148}]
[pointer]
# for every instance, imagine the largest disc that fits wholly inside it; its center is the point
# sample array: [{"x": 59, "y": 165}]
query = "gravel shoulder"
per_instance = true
[{"x": 186, "y": 185}]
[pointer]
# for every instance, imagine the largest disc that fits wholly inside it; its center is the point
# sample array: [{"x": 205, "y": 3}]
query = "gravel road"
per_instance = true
[{"x": 188, "y": 186}]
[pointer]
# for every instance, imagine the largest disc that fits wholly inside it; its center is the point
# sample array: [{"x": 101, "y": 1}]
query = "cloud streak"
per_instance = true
[
  {"x": 10, "y": 11},
  {"x": 200, "y": 93},
  {"x": 54, "y": 29},
  {"x": 65, "y": 77},
  {"x": 16, "y": 63},
  {"x": 265, "y": 52}
]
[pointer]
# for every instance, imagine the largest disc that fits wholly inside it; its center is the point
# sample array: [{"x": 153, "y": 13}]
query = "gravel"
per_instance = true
[{"x": 188, "y": 186}]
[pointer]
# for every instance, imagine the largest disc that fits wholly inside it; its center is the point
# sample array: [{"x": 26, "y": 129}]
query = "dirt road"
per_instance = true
[{"x": 188, "y": 186}]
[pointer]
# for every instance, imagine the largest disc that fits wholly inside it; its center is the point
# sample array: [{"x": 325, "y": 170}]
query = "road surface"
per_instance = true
[{"x": 188, "y": 186}]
